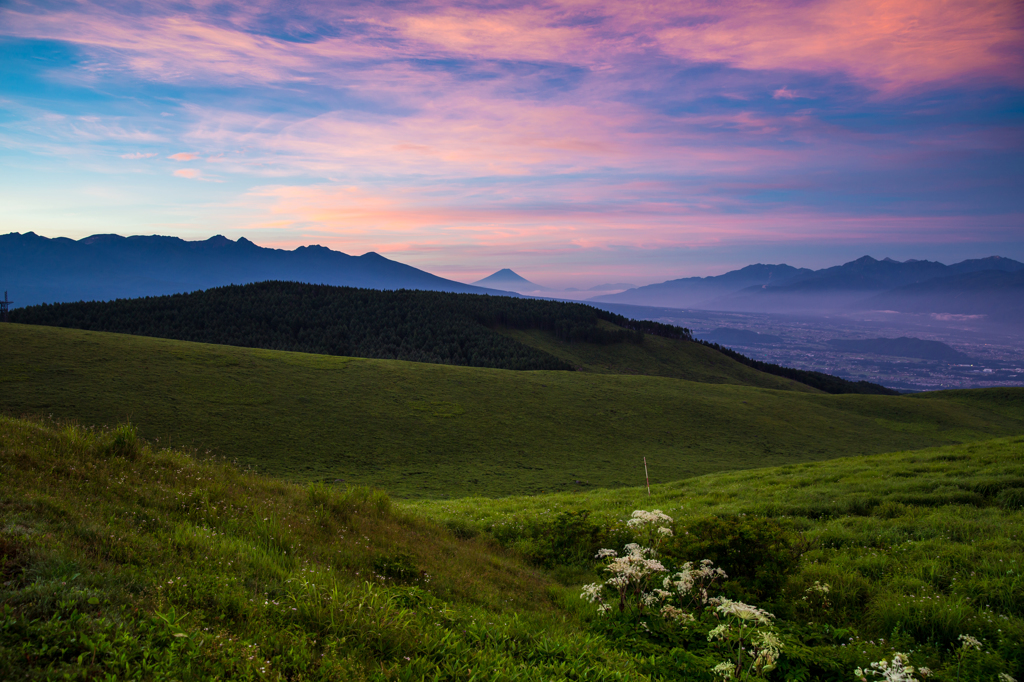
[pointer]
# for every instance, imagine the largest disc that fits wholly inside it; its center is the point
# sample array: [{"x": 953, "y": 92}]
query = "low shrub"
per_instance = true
[{"x": 758, "y": 553}]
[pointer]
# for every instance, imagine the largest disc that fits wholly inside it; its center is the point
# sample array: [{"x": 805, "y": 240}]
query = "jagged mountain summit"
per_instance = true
[
  {"x": 510, "y": 280},
  {"x": 107, "y": 266}
]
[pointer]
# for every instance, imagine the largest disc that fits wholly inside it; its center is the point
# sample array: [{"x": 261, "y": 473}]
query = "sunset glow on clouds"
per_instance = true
[{"x": 564, "y": 139}]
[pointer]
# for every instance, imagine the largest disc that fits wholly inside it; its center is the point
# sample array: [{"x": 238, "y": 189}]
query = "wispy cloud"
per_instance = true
[
  {"x": 183, "y": 156},
  {"x": 138, "y": 155}
]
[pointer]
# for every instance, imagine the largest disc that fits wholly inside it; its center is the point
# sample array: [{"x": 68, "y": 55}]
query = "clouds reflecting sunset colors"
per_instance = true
[{"x": 559, "y": 137}]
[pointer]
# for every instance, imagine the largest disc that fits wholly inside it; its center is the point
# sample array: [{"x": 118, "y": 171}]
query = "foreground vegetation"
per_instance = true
[
  {"x": 425, "y": 430},
  {"x": 118, "y": 559}
]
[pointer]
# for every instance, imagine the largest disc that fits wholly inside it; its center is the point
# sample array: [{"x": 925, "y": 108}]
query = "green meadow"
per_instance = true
[
  {"x": 126, "y": 560},
  {"x": 657, "y": 356},
  {"x": 422, "y": 430}
]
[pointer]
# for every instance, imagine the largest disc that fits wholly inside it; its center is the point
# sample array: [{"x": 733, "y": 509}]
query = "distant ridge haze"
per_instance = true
[
  {"x": 992, "y": 286},
  {"x": 37, "y": 269}
]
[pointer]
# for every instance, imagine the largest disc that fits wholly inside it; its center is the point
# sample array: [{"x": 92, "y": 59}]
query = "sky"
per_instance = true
[{"x": 575, "y": 142}]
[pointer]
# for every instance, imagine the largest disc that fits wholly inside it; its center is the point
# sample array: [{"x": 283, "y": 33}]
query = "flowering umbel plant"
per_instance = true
[
  {"x": 632, "y": 575},
  {"x": 744, "y": 630},
  {"x": 691, "y": 583},
  {"x": 816, "y": 597},
  {"x": 753, "y": 645},
  {"x": 895, "y": 670},
  {"x": 967, "y": 644}
]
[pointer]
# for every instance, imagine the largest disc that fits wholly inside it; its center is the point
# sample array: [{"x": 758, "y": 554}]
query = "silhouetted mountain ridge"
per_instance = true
[{"x": 106, "y": 266}]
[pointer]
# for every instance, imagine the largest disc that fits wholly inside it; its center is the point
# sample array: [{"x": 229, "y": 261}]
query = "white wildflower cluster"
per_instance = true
[
  {"x": 968, "y": 642},
  {"x": 747, "y": 631},
  {"x": 691, "y": 583},
  {"x": 816, "y": 596},
  {"x": 738, "y": 609},
  {"x": 633, "y": 570},
  {"x": 631, "y": 573},
  {"x": 592, "y": 592},
  {"x": 670, "y": 612},
  {"x": 1006, "y": 677},
  {"x": 654, "y": 517},
  {"x": 652, "y": 525},
  {"x": 724, "y": 670},
  {"x": 895, "y": 670}
]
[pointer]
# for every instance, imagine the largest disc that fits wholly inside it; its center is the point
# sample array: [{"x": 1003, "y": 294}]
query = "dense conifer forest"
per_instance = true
[{"x": 421, "y": 326}]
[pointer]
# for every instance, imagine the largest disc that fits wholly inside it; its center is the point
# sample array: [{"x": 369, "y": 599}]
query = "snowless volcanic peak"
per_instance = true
[{"x": 507, "y": 279}]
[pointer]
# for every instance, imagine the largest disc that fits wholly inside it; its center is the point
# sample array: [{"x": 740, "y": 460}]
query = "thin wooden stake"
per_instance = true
[{"x": 647, "y": 476}]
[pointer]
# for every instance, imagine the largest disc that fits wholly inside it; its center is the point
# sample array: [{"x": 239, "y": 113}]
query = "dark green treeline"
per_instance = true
[{"x": 422, "y": 326}]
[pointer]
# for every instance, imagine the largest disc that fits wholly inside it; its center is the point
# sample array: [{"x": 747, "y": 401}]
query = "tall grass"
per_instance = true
[{"x": 126, "y": 561}]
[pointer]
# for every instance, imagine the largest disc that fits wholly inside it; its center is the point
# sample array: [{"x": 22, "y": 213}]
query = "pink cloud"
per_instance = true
[
  {"x": 889, "y": 45},
  {"x": 886, "y": 44},
  {"x": 190, "y": 173},
  {"x": 183, "y": 156},
  {"x": 138, "y": 155}
]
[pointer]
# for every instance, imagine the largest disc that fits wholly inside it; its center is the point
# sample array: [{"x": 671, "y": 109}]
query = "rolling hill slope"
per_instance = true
[
  {"x": 422, "y": 326},
  {"x": 424, "y": 430},
  {"x": 657, "y": 356}
]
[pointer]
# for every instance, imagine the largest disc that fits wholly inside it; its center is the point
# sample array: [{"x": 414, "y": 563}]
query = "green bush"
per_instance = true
[{"x": 757, "y": 553}]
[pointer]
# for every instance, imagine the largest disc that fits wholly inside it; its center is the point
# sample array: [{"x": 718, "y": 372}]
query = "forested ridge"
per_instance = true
[
  {"x": 421, "y": 326},
  {"x": 416, "y": 325}
]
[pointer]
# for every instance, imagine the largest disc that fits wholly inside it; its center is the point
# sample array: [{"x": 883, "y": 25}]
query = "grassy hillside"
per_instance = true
[
  {"x": 118, "y": 559},
  {"x": 421, "y": 326},
  {"x": 918, "y": 548},
  {"x": 423, "y": 430},
  {"x": 656, "y": 356},
  {"x": 121, "y": 560}
]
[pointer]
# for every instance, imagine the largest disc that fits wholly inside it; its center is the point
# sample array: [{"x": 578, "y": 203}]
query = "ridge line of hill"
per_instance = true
[{"x": 422, "y": 326}]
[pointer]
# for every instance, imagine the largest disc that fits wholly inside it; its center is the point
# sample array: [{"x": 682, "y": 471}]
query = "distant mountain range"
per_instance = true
[
  {"x": 691, "y": 292},
  {"x": 103, "y": 267},
  {"x": 993, "y": 287},
  {"x": 37, "y": 269},
  {"x": 608, "y": 286}
]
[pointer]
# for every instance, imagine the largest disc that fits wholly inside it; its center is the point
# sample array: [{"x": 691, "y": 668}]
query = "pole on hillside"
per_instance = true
[
  {"x": 647, "y": 476},
  {"x": 5, "y": 307}
]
